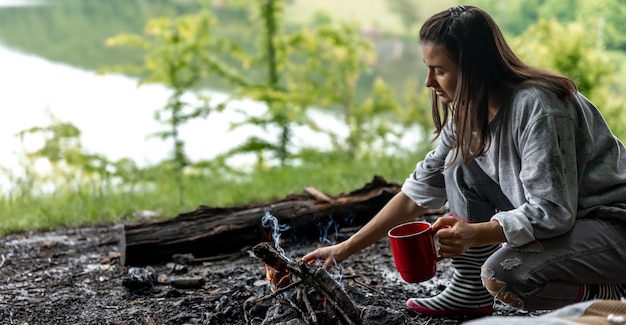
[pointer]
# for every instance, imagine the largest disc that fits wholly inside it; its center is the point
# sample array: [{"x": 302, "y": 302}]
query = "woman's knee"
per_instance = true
[
  {"x": 500, "y": 289},
  {"x": 501, "y": 278}
]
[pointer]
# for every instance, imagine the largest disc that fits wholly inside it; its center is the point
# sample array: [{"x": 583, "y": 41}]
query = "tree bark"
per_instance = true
[{"x": 210, "y": 231}]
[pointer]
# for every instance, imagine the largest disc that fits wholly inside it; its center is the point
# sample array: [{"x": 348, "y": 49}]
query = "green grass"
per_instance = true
[{"x": 97, "y": 203}]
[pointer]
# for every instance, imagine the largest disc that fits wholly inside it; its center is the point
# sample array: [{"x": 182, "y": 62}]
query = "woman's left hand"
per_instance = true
[{"x": 455, "y": 236}]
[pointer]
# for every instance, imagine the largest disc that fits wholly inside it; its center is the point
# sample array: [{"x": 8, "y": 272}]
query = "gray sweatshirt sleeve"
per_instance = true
[
  {"x": 426, "y": 186},
  {"x": 549, "y": 143}
]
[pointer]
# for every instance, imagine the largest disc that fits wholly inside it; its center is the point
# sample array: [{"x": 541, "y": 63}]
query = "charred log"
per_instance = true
[{"x": 210, "y": 231}]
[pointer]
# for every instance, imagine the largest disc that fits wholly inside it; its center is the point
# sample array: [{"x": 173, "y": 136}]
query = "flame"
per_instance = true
[
  {"x": 276, "y": 278},
  {"x": 268, "y": 273}
]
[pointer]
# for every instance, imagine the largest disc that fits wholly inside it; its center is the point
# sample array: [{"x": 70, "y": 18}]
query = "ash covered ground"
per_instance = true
[{"x": 74, "y": 276}]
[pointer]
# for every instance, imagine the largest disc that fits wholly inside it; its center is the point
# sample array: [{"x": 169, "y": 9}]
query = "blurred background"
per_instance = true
[{"x": 115, "y": 110}]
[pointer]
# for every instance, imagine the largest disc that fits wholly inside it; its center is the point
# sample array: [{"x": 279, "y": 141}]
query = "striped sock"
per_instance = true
[
  {"x": 466, "y": 289},
  {"x": 602, "y": 291}
]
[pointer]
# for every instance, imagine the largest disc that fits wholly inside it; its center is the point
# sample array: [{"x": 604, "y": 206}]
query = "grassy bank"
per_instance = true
[{"x": 97, "y": 203}]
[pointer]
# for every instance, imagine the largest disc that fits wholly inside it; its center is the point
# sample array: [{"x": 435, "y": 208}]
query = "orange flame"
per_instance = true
[
  {"x": 268, "y": 273},
  {"x": 276, "y": 278},
  {"x": 269, "y": 276}
]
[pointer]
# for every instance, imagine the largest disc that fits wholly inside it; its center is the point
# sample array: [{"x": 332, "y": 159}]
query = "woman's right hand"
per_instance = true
[
  {"x": 329, "y": 255},
  {"x": 398, "y": 210}
]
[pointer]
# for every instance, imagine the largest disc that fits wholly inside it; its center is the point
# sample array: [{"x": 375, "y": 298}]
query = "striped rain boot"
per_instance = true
[
  {"x": 602, "y": 291},
  {"x": 465, "y": 294}
]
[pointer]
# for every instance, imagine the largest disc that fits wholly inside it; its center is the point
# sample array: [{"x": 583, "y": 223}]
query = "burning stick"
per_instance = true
[{"x": 318, "y": 278}]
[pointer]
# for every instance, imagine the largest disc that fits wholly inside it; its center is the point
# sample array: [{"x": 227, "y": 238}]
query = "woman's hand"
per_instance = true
[
  {"x": 398, "y": 210},
  {"x": 453, "y": 235},
  {"x": 456, "y": 236},
  {"x": 329, "y": 255}
]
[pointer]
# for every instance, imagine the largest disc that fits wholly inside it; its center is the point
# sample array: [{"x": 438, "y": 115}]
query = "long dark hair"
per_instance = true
[{"x": 486, "y": 63}]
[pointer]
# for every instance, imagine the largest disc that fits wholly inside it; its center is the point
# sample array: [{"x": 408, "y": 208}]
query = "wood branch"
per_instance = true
[
  {"x": 317, "y": 278},
  {"x": 210, "y": 231},
  {"x": 315, "y": 193},
  {"x": 333, "y": 292},
  {"x": 307, "y": 303}
]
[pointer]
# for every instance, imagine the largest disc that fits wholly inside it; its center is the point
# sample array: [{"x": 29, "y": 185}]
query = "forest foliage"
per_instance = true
[
  {"x": 319, "y": 65},
  {"x": 314, "y": 66},
  {"x": 369, "y": 80}
]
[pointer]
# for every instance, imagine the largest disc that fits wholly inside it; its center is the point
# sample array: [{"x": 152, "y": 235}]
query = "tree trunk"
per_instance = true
[{"x": 210, "y": 231}]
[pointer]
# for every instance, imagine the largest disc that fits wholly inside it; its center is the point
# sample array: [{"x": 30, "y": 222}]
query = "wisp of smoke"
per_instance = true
[
  {"x": 270, "y": 221},
  {"x": 324, "y": 236}
]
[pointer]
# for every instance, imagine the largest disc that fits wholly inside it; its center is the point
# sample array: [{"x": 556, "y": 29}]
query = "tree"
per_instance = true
[
  {"x": 606, "y": 21},
  {"x": 177, "y": 57},
  {"x": 312, "y": 66},
  {"x": 407, "y": 11},
  {"x": 68, "y": 165},
  {"x": 289, "y": 72},
  {"x": 570, "y": 50},
  {"x": 513, "y": 16}
]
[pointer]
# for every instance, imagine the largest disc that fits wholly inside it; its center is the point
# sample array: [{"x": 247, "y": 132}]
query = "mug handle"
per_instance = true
[{"x": 433, "y": 232}]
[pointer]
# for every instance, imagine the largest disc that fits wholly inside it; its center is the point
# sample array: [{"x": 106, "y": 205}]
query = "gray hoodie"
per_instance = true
[{"x": 555, "y": 161}]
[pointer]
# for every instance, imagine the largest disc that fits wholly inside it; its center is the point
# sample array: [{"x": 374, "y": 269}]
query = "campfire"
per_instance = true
[{"x": 310, "y": 290}]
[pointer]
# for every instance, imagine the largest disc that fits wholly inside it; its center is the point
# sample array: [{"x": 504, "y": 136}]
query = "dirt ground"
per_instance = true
[{"x": 73, "y": 276}]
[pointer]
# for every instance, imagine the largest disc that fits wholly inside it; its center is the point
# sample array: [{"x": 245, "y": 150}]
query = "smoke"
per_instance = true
[
  {"x": 324, "y": 236},
  {"x": 329, "y": 231},
  {"x": 349, "y": 219},
  {"x": 271, "y": 222}
]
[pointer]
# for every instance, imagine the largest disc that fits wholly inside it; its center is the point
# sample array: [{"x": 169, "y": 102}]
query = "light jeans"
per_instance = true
[{"x": 548, "y": 273}]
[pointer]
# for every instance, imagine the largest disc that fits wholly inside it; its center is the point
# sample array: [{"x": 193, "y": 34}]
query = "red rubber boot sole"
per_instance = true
[{"x": 482, "y": 311}]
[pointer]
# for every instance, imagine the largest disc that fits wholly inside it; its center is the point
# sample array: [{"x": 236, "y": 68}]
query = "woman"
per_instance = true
[{"x": 534, "y": 179}]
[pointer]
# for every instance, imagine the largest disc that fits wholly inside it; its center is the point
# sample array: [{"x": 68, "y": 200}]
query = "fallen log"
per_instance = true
[{"x": 210, "y": 231}]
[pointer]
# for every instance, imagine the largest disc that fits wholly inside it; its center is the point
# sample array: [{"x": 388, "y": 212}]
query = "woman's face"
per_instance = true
[{"x": 442, "y": 71}]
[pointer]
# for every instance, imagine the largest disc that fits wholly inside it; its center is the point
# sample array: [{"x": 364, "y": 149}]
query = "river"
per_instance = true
[{"x": 114, "y": 115}]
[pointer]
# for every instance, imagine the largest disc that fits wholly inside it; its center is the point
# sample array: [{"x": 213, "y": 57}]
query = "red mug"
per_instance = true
[{"x": 414, "y": 250}]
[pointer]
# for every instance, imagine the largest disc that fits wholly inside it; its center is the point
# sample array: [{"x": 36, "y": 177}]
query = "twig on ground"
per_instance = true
[
  {"x": 3, "y": 260},
  {"x": 307, "y": 303},
  {"x": 279, "y": 291},
  {"x": 368, "y": 286},
  {"x": 296, "y": 307},
  {"x": 267, "y": 297}
]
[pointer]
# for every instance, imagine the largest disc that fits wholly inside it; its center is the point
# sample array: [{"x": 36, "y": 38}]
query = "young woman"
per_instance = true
[{"x": 534, "y": 180}]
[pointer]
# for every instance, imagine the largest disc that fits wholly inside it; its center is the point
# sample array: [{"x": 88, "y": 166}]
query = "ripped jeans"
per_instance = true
[{"x": 547, "y": 273}]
